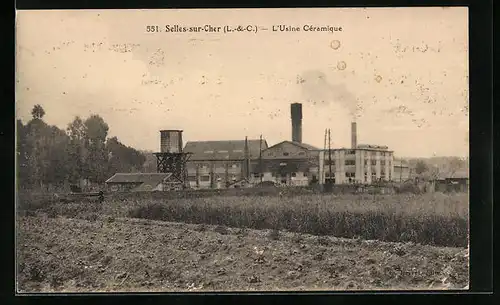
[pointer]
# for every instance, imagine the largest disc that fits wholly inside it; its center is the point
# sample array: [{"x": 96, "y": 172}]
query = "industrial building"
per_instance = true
[
  {"x": 241, "y": 163},
  {"x": 296, "y": 163},
  {"x": 359, "y": 164},
  {"x": 402, "y": 171},
  {"x": 452, "y": 182},
  {"x": 220, "y": 164},
  {"x": 289, "y": 162},
  {"x": 365, "y": 164},
  {"x": 137, "y": 182}
]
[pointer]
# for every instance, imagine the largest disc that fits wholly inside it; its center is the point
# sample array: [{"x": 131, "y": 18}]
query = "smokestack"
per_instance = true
[
  {"x": 296, "y": 111},
  {"x": 247, "y": 159},
  {"x": 354, "y": 136}
]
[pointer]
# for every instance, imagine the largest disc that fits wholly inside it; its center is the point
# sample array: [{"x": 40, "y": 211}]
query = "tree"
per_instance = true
[
  {"x": 43, "y": 157},
  {"x": 77, "y": 150},
  {"x": 421, "y": 167},
  {"x": 122, "y": 158},
  {"x": 47, "y": 155},
  {"x": 454, "y": 165},
  {"x": 36, "y": 151},
  {"x": 21, "y": 154},
  {"x": 37, "y": 112},
  {"x": 96, "y": 129},
  {"x": 96, "y": 132},
  {"x": 149, "y": 165},
  {"x": 58, "y": 167}
]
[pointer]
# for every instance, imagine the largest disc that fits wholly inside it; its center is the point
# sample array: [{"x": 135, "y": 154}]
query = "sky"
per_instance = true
[{"x": 400, "y": 73}]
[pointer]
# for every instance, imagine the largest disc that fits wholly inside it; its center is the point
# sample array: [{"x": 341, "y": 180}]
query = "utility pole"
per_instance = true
[
  {"x": 247, "y": 160},
  {"x": 329, "y": 158},
  {"x": 212, "y": 171},
  {"x": 326, "y": 132},
  {"x": 260, "y": 159},
  {"x": 401, "y": 169},
  {"x": 324, "y": 158}
]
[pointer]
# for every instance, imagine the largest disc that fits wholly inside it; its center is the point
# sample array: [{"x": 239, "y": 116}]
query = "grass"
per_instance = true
[{"x": 437, "y": 219}]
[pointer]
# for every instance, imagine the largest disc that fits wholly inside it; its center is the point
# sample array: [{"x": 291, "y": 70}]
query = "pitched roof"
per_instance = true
[
  {"x": 302, "y": 145},
  {"x": 401, "y": 163},
  {"x": 462, "y": 173},
  {"x": 148, "y": 178},
  {"x": 222, "y": 150}
]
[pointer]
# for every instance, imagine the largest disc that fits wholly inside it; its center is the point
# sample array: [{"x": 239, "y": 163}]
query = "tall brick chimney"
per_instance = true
[
  {"x": 354, "y": 136},
  {"x": 296, "y": 112}
]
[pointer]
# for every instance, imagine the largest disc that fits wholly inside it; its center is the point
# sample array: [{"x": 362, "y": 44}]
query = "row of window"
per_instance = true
[
  {"x": 223, "y": 151},
  {"x": 206, "y": 178},
  {"x": 235, "y": 165},
  {"x": 371, "y": 153},
  {"x": 353, "y": 162},
  {"x": 257, "y": 175},
  {"x": 270, "y": 153},
  {"x": 353, "y": 175}
]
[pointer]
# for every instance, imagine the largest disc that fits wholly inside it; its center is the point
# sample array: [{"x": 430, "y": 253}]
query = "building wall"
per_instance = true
[
  {"x": 122, "y": 187},
  {"x": 287, "y": 150},
  {"x": 356, "y": 166},
  {"x": 214, "y": 174},
  {"x": 286, "y": 163},
  {"x": 294, "y": 172},
  {"x": 401, "y": 173},
  {"x": 296, "y": 178}
]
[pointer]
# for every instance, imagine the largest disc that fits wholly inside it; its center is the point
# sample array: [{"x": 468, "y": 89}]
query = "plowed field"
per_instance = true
[{"x": 122, "y": 254}]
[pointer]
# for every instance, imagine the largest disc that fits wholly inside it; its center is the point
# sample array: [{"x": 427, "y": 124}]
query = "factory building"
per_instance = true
[
  {"x": 401, "y": 171},
  {"x": 362, "y": 164},
  {"x": 221, "y": 164},
  {"x": 240, "y": 163},
  {"x": 287, "y": 163}
]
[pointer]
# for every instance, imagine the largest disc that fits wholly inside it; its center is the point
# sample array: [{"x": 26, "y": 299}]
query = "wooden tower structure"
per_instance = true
[{"x": 171, "y": 158}]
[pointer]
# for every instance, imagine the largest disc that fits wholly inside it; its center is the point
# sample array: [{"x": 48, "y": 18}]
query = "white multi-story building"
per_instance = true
[{"x": 365, "y": 164}]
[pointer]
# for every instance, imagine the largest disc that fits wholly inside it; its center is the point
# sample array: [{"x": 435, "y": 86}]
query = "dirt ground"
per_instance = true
[{"x": 111, "y": 255}]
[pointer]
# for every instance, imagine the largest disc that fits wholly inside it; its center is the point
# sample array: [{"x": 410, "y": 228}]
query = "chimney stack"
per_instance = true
[
  {"x": 296, "y": 112},
  {"x": 247, "y": 160},
  {"x": 354, "y": 136}
]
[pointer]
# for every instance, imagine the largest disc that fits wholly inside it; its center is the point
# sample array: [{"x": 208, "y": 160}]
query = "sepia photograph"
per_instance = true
[{"x": 235, "y": 150}]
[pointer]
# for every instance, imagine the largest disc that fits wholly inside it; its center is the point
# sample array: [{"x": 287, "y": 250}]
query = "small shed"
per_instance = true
[
  {"x": 457, "y": 182},
  {"x": 139, "y": 182}
]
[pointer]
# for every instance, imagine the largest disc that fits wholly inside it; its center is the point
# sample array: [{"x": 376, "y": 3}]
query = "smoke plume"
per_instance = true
[{"x": 316, "y": 89}]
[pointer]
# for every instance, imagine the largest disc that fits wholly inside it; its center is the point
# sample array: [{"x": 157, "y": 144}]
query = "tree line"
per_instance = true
[
  {"x": 48, "y": 156},
  {"x": 432, "y": 168}
]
